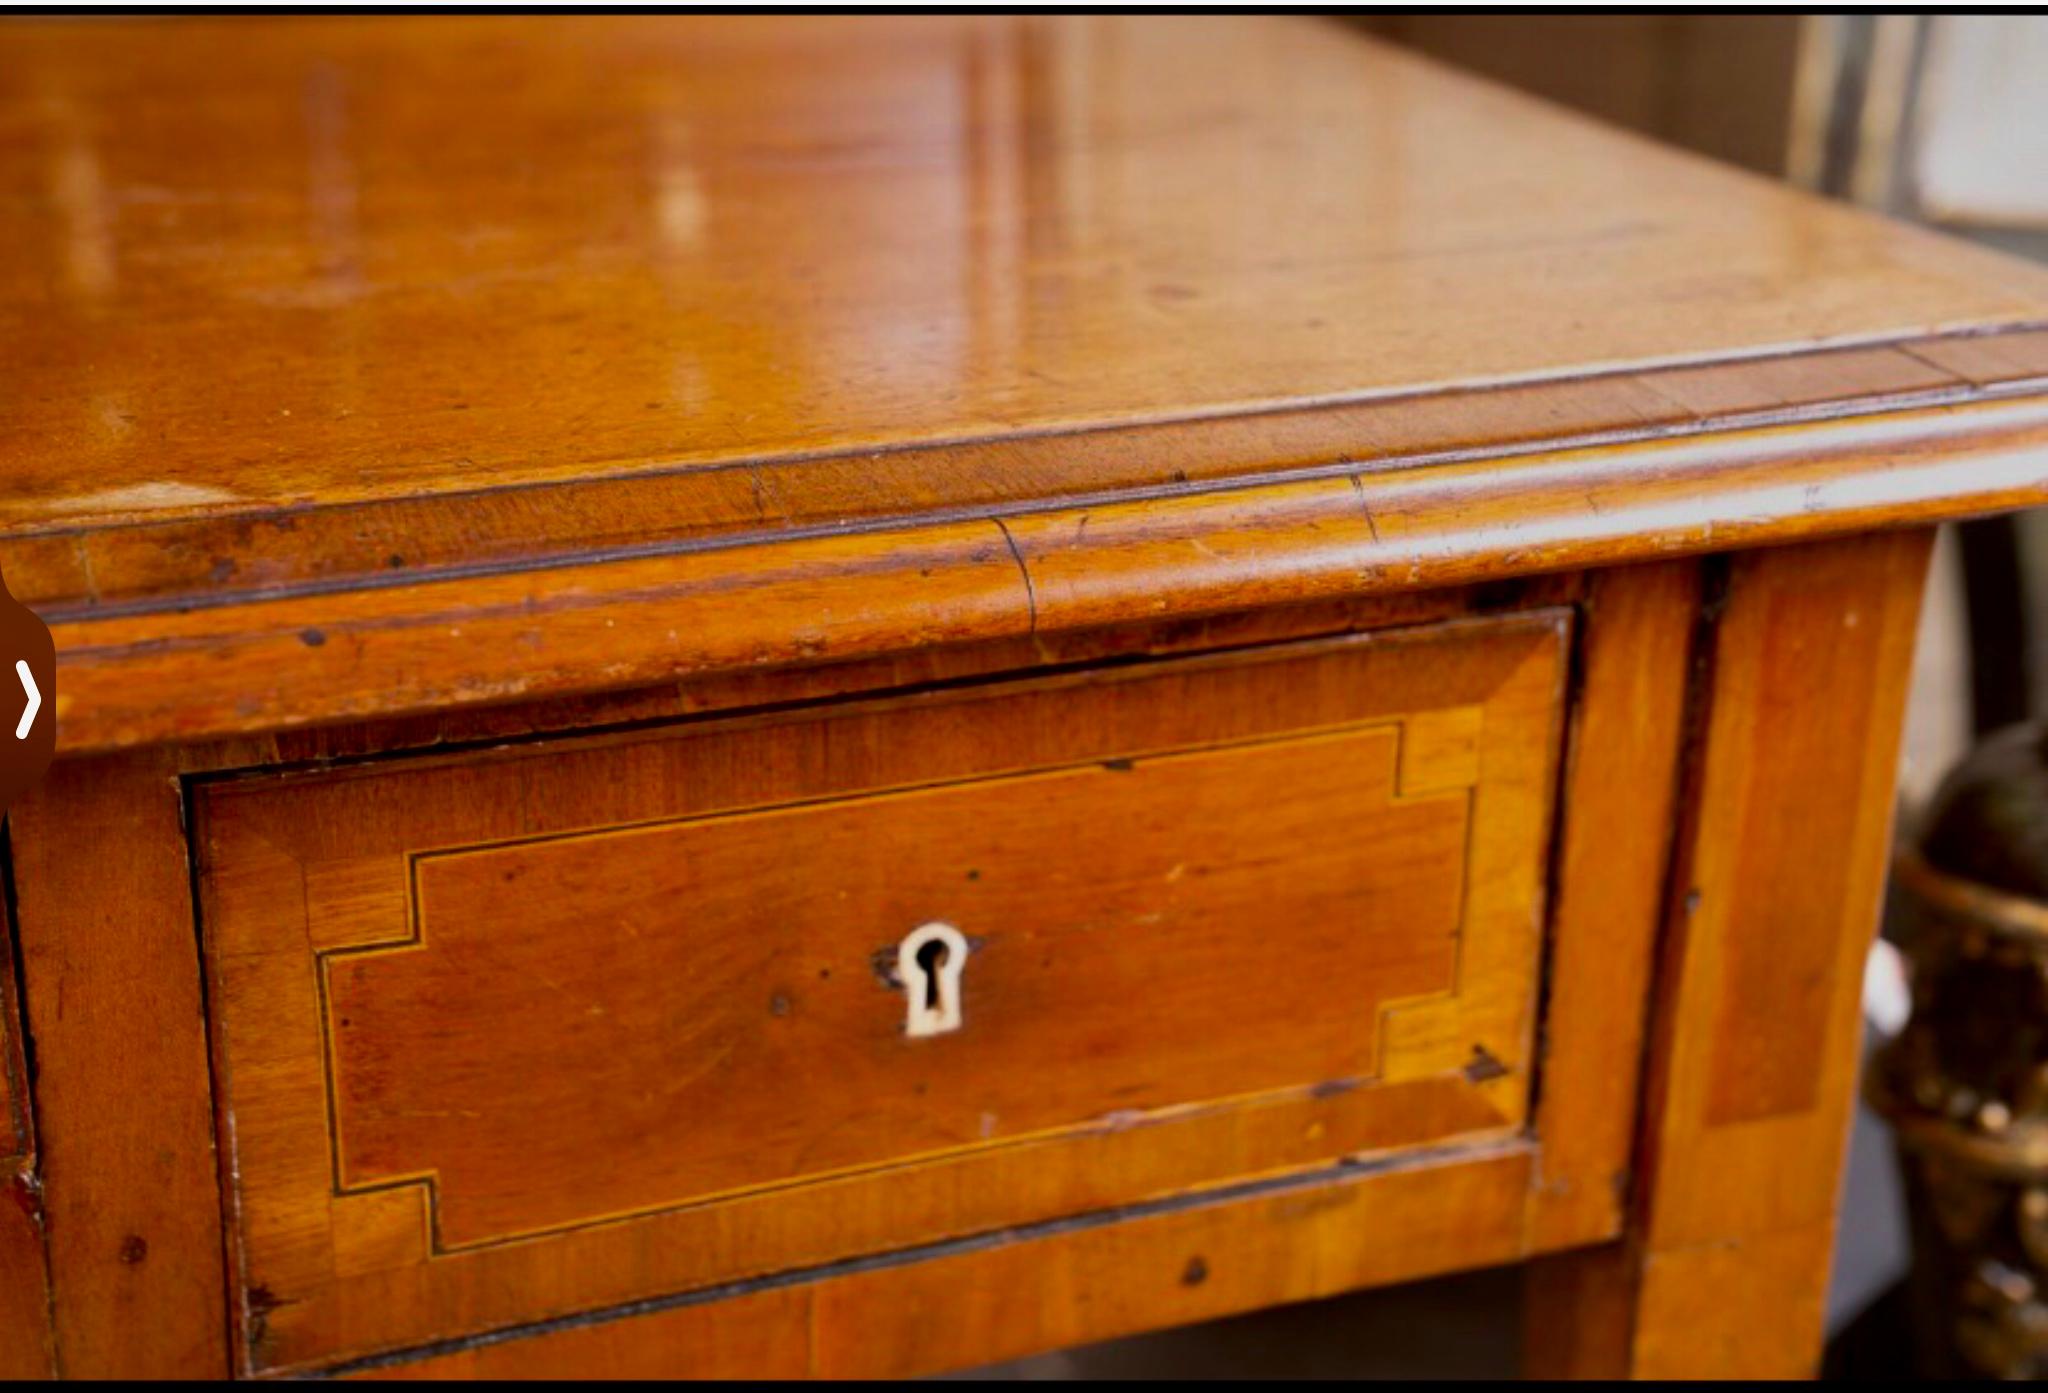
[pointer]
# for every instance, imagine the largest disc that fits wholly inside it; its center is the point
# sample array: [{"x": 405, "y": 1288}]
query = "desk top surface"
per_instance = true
[
  {"x": 314, "y": 305},
  {"x": 278, "y": 263}
]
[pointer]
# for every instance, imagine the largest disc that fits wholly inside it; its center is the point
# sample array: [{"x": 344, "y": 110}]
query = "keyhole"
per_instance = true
[
  {"x": 929, "y": 962},
  {"x": 931, "y": 956}
]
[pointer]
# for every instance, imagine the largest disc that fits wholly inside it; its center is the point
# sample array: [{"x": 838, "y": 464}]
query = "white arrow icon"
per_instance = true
[{"x": 35, "y": 700}]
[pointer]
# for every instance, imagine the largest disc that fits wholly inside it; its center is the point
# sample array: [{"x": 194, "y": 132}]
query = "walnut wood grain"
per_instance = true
[
  {"x": 460, "y": 254},
  {"x": 1028, "y": 1292},
  {"x": 1781, "y": 860},
  {"x": 653, "y": 434},
  {"x": 77, "y": 571},
  {"x": 1620, "y": 787},
  {"x": 1083, "y": 276},
  {"x": 665, "y": 946},
  {"x": 737, "y": 689},
  {"x": 739, "y": 955},
  {"x": 111, "y": 982}
]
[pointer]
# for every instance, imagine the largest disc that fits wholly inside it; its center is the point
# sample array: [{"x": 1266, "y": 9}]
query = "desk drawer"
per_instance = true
[{"x": 525, "y": 1032}]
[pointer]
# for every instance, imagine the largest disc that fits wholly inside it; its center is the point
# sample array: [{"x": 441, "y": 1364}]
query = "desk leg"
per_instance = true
[
  {"x": 124, "y": 1117},
  {"x": 1779, "y": 868}
]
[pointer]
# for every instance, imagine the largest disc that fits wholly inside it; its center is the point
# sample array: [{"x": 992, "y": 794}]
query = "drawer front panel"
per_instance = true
[
  {"x": 726, "y": 1029},
  {"x": 507, "y": 1036}
]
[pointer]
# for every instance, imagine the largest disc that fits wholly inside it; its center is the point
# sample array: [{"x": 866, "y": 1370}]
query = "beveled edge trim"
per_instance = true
[
  {"x": 294, "y": 660},
  {"x": 226, "y": 555}
]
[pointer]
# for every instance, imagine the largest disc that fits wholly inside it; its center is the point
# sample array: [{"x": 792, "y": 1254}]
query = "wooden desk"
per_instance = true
[{"x": 1374, "y": 612}]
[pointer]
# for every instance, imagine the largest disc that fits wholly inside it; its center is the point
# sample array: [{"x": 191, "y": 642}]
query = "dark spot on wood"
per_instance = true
[
  {"x": 134, "y": 1248},
  {"x": 1333, "y": 1088},
  {"x": 1484, "y": 1066},
  {"x": 394, "y": 561},
  {"x": 824, "y": 974},
  {"x": 974, "y": 875},
  {"x": 1692, "y": 902},
  {"x": 1119, "y": 766},
  {"x": 312, "y": 638},
  {"x": 260, "y": 1303},
  {"x": 1195, "y": 1273},
  {"x": 778, "y": 1005}
]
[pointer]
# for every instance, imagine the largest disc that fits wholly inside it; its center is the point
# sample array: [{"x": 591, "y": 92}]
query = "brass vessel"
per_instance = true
[{"x": 1965, "y": 1083}]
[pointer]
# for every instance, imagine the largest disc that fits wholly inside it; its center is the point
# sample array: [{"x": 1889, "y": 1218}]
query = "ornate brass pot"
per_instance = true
[{"x": 1965, "y": 1083}]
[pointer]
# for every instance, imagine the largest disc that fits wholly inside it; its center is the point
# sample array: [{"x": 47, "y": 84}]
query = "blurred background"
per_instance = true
[{"x": 1941, "y": 120}]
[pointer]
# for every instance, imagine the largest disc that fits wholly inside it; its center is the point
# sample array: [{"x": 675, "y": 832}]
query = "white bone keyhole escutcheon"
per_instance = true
[{"x": 929, "y": 962}]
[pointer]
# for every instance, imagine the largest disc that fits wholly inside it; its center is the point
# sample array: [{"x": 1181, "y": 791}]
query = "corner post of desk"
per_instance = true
[{"x": 1778, "y": 872}]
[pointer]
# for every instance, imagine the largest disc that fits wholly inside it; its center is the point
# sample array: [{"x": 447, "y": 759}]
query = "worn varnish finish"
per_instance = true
[
  {"x": 1020, "y": 1295},
  {"x": 123, "y": 1103},
  {"x": 464, "y": 255},
  {"x": 637, "y": 455},
  {"x": 1775, "y": 894},
  {"x": 1675, "y": 416},
  {"x": 449, "y": 643},
  {"x": 671, "y": 951},
  {"x": 923, "y": 310},
  {"x": 1611, "y": 867},
  {"x": 749, "y": 687}
]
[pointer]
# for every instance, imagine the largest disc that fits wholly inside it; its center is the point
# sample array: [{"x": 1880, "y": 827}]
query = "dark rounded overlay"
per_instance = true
[{"x": 28, "y": 698}]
